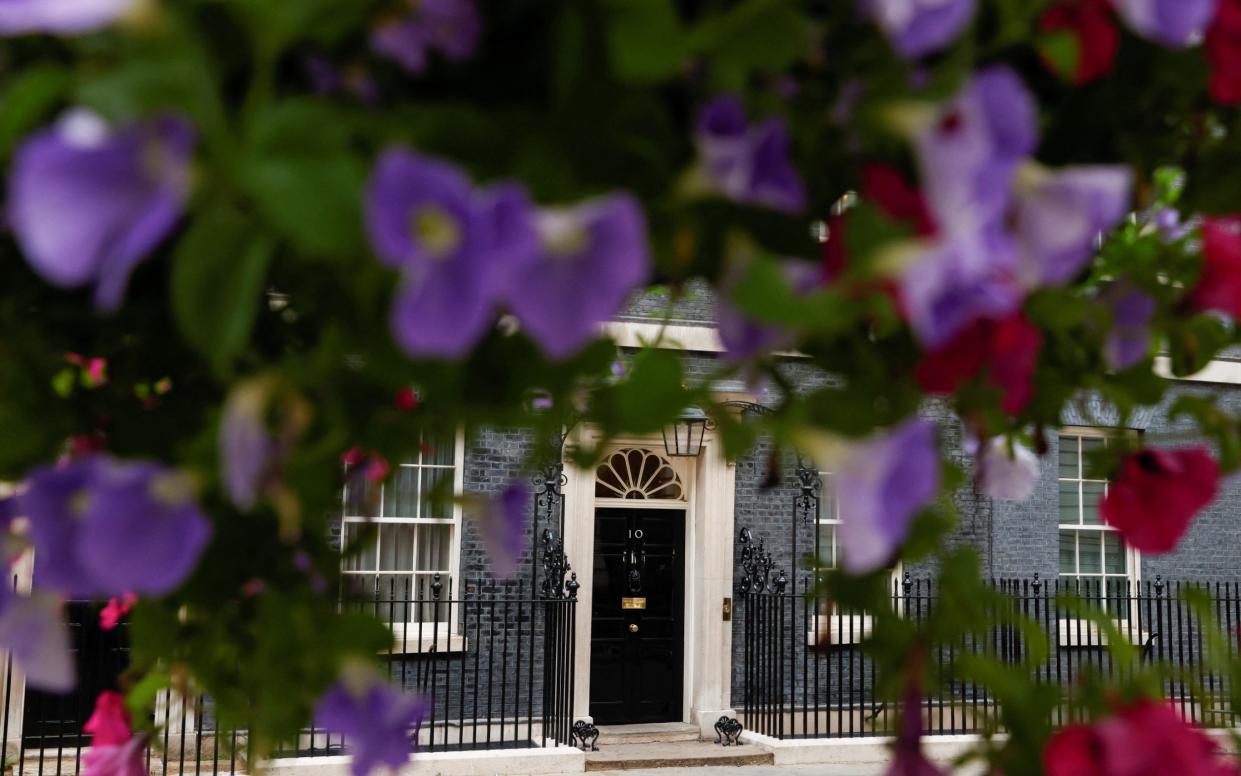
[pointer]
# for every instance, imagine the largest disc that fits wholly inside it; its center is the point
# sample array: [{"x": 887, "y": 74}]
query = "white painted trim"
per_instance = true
[
  {"x": 1222, "y": 371},
  {"x": 709, "y": 482},
  {"x": 706, "y": 339},
  {"x": 631, "y": 334},
  {"x": 503, "y": 762}
]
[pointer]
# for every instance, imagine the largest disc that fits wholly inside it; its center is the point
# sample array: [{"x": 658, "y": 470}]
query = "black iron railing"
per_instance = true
[
  {"x": 805, "y": 675},
  {"x": 494, "y": 664}
]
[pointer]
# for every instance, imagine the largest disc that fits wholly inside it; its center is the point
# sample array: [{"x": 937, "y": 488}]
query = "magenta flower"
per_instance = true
[
  {"x": 502, "y": 524},
  {"x": 594, "y": 255},
  {"x": 109, "y": 723},
  {"x": 115, "y": 610},
  {"x": 88, "y": 202},
  {"x": 1057, "y": 217},
  {"x": 450, "y": 27},
  {"x": 747, "y": 164},
  {"x": 59, "y": 17},
  {"x": 1172, "y": 23},
  {"x": 457, "y": 248},
  {"x": 1128, "y": 342},
  {"x": 376, "y": 718},
  {"x": 31, "y": 629},
  {"x": 744, "y": 338},
  {"x": 883, "y": 482},
  {"x": 103, "y": 528},
  {"x": 127, "y": 759},
  {"x": 919, "y": 27}
]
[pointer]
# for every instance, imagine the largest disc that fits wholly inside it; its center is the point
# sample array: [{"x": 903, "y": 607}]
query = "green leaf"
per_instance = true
[
  {"x": 1193, "y": 344},
  {"x": 305, "y": 180},
  {"x": 218, "y": 273},
  {"x": 653, "y": 393},
  {"x": 1062, "y": 51},
  {"x": 646, "y": 41},
  {"x": 27, "y": 101},
  {"x": 767, "y": 36}
]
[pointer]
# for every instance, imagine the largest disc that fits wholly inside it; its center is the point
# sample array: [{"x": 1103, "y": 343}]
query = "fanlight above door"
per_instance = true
[{"x": 636, "y": 474}]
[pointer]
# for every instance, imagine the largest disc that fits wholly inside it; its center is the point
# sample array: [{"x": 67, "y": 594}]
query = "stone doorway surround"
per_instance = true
[{"x": 709, "y": 481}]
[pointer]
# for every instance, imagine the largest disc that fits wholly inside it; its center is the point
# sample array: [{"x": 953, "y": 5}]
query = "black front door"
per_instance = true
[
  {"x": 637, "y": 628},
  {"x": 52, "y": 720}
]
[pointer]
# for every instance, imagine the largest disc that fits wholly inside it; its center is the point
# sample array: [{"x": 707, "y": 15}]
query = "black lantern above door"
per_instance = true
[{"x": 683, "y": 437}]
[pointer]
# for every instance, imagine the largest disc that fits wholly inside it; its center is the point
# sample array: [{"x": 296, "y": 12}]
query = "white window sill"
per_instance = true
[
  {"x": 839, "y": 630},
  {"x": 405, "y": 641},
  {"x": 1084, "y": 634}
]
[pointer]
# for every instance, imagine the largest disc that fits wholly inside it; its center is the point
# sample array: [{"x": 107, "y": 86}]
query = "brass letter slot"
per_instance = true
[{"x": 633, "y": 603}]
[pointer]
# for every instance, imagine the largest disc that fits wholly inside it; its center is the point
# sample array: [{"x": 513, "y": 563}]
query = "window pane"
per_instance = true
[
  {"x": 433, "y": 544},
  {"x": 432, "y": 609},
  {"x": 400, "y": 492},
  {"x": 827, "y": 497},
  {"x": 396, "y": 547},
  {"x": 390, "y": 604},
  {"x": 1068, "y": 552},
  {"x": 437, "y": 493},
  {"x": 1090, "y": 552},
  {"x": 1069, "y": 503},
  {"x": 361, "y": 496},
  {"x": 1068, "y": 457},
  {"x": 827, "y": 546},
  {"x": 364, "y": 559},
  {"x": 438, "y": 451},
  {"x": 1092, "y": 494},
  {"x": 1090, "y": 446},
  {"x": 1115, "y": 553}
]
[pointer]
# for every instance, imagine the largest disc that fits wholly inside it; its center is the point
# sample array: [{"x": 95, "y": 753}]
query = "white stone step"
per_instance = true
[
  {"x": 649, "y": 733},
  {"x": 682, "y": 754}
]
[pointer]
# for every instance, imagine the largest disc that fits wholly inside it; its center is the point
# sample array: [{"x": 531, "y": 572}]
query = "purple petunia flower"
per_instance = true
[
  {"x": 956, "y": 281},
  {"x": 103, "y": 528},
  {"x": 247, "y": 448},
  {"x": 969, "y": 151},
  {"x": 1172, "y": 23},
  {"x": 375, "y": 717},
  {"x": 88, "y": 203},
  {"x": 1129, "y": 340},
  {"x": 744, "y": 338},
  {"x": 747, "y": 164},
  {"x": 919, "y": 27},
  {"x": 458, "y": 249},
  {"x": 502, "y": 524},
  {"x": 450, "y": 27},
  {"x": 68, "y": 17},
  {"x": 55, "y": 502},
  {"x": 593, "y": 256},
  {"x": 327, "y": 78},
  {"x": 883, "y": 482},
  {"x": 1058, "y": 216},
  {"x": 1007, "y": 475},
  {"x": 31, "y": 629}
]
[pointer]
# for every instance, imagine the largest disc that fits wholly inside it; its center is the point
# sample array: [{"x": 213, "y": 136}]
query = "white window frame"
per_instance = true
[
  {"x": 841, "y": 629},
  {"x": 406, "y": 632},
  {"x": 1069, "y": 628}
]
